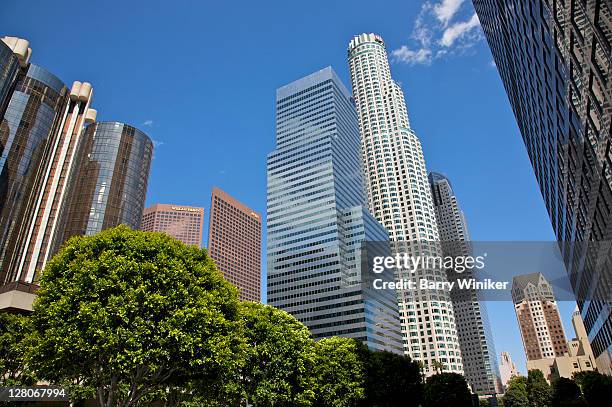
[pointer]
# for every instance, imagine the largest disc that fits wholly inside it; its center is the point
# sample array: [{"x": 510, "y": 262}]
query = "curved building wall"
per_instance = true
[
  {"x": 108, "y": 183},
  {"x": 31, "y": 118},
  {"x": 9, "y": 66}
]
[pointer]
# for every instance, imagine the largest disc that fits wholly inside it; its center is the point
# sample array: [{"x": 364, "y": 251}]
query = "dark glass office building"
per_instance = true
[
  {"x": 9, "y": 66},
  {"x": 108, "y": 184},
  {"x": 31, "y": 118},
  {"x": 554, "y": 59}
]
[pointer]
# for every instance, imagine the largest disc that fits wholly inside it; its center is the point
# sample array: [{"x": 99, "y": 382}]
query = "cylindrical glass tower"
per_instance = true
[
  {"x": 31, "y": 118},
  {"x": 108, "y": 184}
]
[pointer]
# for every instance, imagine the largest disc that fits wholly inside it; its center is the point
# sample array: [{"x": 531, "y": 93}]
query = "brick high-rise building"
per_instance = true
[
  {"x": 234, "y": 243},
  {"x": 538, "y": 317},
  {"x": 184, "y": 223}
]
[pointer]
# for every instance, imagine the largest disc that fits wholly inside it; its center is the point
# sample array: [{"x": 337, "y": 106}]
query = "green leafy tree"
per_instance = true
[
  {"x": 130, "y": 313},
  {"x": 596, "y": 387},
  {"x": 566, "y": 393},
  {"x": 339, "y": 373},
  {"x": 15, "y": 331},
  {"x": 538, "y": 389},
  {"x": 447, "y": 389},
  {"x": 438, "y": 366},
  {"x": 422, "y": 370},
  {"x": 278, "y": 362},
  {"x": 391, "y": 379},
  {"x": 516, "y": 394}
]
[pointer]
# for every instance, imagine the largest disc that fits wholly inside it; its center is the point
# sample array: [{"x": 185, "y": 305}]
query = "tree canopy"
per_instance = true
[
  {"x": 596, "y": 387},
  {"x": 566, "y": 393},
  {"x": 137, "y": 319},
  {"x": 339, "y": 373},
  {"x": 447, "y": 389},
  {"x": 391, "y": 379},
  {"x": 15, "y": 330},
  {"x": 128, "y": 313},
  {"x": 516, "y": 394},
  {"x": 538, "y": 389},
  {"x": 279, "y": 358}
]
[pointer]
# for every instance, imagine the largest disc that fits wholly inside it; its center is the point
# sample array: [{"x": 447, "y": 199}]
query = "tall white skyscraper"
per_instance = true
[{"x": 399, "y": 196}]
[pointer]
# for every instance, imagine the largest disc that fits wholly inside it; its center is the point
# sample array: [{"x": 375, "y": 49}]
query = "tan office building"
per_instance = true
[
  {"x": 507, "y": 369},
  {"x": 234, "y": 243},
  {"x": 184, "y": 223},
  {"x": 579, "y": 357}
]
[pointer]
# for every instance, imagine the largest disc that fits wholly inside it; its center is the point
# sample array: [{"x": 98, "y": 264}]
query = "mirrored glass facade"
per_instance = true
[
  {"x": 108, "y": 183},
  {"x": 554, "y": 59},
  {"x": 30, "y": 120},
  {"x": 316, "y": 217},
  {"x": 9, "y": 66}
]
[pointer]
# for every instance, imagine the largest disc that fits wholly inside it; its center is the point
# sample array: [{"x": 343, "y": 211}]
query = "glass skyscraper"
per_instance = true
[
  {"x": 475, "y": 337},
  {"x": 28, "y": 125},
  {"x": 317, "y": 217},
  {"x": 9, "y": 67},
  {"x": 55, "y": 180},
  {"x": 108, "y": 184},
  {"x": 399, "y": 196},
  {"x": 553, "y": 57}
]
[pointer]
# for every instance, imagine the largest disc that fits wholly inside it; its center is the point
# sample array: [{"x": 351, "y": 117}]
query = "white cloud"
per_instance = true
[
  {"x": 148, "y": 123},
  {"x": 436, "y": 35},
  {"x": 412, "y": 57},
  {"x": 446, "y": 10},
  {"x": 458, "y": 30},
  {"x": 157, "y": 143},
  {"x": 492, "y": 64},
  {"x": 421, "y": 32}
]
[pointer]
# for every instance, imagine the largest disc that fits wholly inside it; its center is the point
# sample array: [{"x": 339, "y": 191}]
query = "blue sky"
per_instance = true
[{"x": 200, "y": 78}]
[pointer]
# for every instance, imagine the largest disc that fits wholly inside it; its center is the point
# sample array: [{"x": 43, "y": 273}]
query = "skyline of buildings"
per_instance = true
[
  {"x": 185, "y": 223},
  {"x": 553, "y": 57},
  {"x": 317, "y": 220},
  {"x": 399, "y": 196},
  {"x": 234, "y": 243},
  {"x": 472, "y": 320}
]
